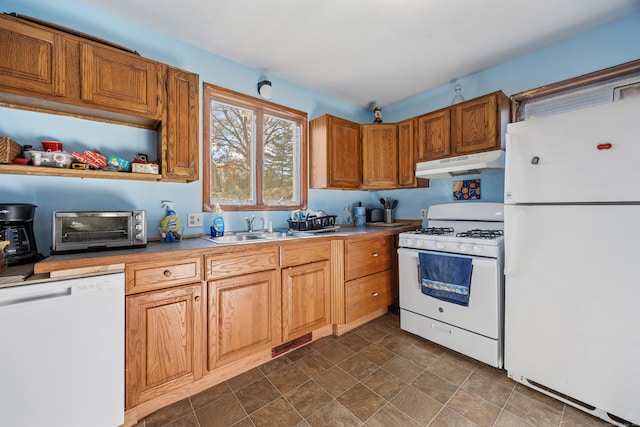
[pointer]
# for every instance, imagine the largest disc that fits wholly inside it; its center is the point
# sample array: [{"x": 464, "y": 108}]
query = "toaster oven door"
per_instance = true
[{"x": 89, "y": 231}]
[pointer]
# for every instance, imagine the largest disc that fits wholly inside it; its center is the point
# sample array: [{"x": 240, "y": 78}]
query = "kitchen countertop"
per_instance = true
[{"x": 110, "y": 261}]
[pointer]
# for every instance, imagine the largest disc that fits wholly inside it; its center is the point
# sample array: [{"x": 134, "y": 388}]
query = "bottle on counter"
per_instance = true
[
  {"x": 217, "y": 222},
  {"x": 347, "y": 217}
]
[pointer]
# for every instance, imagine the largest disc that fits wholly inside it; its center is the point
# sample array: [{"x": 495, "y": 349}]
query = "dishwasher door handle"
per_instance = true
[{"x": 40, "y": 296}]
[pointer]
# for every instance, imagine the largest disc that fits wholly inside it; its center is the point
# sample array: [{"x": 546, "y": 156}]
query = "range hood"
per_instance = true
[{"x": 490, "y": 161}]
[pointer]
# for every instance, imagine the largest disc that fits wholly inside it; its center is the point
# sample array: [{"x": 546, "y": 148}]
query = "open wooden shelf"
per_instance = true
[{"x": 76, "y": 173}]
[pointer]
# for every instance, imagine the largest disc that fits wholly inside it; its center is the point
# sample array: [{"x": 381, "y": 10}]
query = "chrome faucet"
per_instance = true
[{"x": 250, "y": 223}]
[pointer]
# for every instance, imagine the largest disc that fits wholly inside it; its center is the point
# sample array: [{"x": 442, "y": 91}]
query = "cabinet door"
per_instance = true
[
  {"x": 434, "y": 135},
  {"x": 476, "y": 125},
  {"x": 118, "y": 80},
  {"x": 244, "y": 316},
  {"x": 180, "y": 127},
  {"x": 305, "y": 299},
  {"x": 406, "y": 154},
  {"x": 335, "y": 158},
  {"x": 163, "y": 342},
  {"x": 32, "y": 60},
  {"x": 379, "y": 156}
]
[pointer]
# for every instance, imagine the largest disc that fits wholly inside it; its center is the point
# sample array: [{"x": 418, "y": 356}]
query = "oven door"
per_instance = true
[{"x": 483, "y": 316}]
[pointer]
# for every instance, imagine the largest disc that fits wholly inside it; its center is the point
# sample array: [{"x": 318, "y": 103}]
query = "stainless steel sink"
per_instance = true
[
  {"x": 246, "y": 236},
  {"x": 234, "y": 238}
]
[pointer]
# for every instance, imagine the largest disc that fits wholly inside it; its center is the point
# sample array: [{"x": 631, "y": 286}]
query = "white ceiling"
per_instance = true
[{"x": 363, "y": 51}]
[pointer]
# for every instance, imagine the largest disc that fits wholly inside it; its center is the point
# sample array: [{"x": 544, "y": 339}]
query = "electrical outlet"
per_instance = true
[
  {"x": 194, "y": 220},
  {"x": 423, "y": 213}
]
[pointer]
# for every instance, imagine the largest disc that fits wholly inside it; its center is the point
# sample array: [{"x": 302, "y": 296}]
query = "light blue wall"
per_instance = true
[{"x": 601, "y": 48}]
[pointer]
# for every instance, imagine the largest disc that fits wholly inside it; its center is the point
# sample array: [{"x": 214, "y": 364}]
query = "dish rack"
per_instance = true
[{"x": 312, "y": 223}]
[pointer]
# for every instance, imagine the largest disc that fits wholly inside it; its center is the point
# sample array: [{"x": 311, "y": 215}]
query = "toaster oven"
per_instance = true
[{"x": 82, "y": 231}]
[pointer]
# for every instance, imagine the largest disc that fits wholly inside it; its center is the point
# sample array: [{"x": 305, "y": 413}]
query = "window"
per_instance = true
[{"x": 255, "y": 153}]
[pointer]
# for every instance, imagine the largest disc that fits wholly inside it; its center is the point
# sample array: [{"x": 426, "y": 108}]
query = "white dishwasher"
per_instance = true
[{"x": 62, "y": 353}]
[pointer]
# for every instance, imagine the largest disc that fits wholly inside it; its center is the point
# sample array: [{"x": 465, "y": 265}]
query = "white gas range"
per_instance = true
[{"x": 463, "y": 243}]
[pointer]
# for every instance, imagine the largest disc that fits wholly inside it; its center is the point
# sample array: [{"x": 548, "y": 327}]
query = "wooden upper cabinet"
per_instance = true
[
  {"x": 32, "y": 60},
  {"x": 472, "y": 126},
  {"x": 179, "y": 132},
  {"x": 379, "y": 156},
  {"x": 478, "y": 124},
  {"x": 119, "y": 80},
  {"x": 336, "y": 160},
  {"x": 434, "y": 135}
]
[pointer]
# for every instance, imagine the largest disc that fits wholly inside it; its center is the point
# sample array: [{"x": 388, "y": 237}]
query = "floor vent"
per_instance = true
[{"x": 283, "y": 348}]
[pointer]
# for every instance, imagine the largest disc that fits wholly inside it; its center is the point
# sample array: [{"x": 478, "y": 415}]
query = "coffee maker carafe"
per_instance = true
[{"x": 16, "y": 226}]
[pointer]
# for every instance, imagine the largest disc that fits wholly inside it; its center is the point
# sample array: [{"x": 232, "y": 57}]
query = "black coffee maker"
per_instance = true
[{"x": 16, "y": 226}]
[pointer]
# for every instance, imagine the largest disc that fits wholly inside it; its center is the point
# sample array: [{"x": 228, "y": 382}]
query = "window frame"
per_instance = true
[{"x": 261, "y": 107}]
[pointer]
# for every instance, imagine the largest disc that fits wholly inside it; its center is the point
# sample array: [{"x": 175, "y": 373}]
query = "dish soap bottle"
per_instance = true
[{"x": 217, "y": 222}]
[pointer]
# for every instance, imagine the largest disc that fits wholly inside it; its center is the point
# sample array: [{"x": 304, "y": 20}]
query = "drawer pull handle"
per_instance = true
[
  {"x": 167, "y": 273},
  {"x": 197, "y": 298},
  {"x": 375, "y": 294},
  {"x": 374, "y": 254}
]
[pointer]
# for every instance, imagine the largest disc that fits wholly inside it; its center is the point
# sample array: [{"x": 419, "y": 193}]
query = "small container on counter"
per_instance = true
[{"x": 361, "y": 216}]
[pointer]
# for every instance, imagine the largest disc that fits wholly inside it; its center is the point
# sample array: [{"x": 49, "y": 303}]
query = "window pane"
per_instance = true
[
  {"x": 281, "y": 145},
  {"x": 232, "y": 154}
]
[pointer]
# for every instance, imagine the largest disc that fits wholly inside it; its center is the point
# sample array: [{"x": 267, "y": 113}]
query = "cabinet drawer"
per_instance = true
[
  {"x": 368, "y": 294},
  {"x": 146, "y": 276},
  {"x": 243, "y": 262},
  {"x": 367, "y": 256},
  {"x": 298, "y": 254}
]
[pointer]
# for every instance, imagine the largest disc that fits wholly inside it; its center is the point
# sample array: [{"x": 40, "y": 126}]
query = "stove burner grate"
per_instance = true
[
  {"x": 435, "y": 231},
  {"x": 481, "y": 234}
]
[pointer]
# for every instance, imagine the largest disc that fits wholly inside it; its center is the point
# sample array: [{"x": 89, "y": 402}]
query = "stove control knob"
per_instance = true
[
  {"x": 406, "y": 242},
  {"x": 476, "y": 249},
  {"x": 138, "y": 227},
  {"x": 439, "y": 245},
  {"x": 418, "y": 243},
  {"x": 463, "y": 247}
]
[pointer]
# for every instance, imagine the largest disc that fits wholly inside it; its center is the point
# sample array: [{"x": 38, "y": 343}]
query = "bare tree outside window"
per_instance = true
[{"x": 254, "y": 153}]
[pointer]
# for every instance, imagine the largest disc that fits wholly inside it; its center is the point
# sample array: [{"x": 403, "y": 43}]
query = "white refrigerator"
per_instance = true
[{"x": 572, "y": 258}]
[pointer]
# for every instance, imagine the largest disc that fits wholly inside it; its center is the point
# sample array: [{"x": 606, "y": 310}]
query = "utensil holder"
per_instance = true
[{"x": 388, "y": 216}]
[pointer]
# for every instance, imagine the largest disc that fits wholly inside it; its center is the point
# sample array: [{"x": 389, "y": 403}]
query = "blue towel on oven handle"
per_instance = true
[{"x": 446, "y": 277}]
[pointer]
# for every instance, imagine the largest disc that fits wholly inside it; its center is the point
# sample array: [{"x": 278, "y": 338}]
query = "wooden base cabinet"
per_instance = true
[
  {"x": 305, "y": 299},
  {"x": 243, "y": 317},
  {"x": 366, "y": 284},
  {"x": 243, "y": 304},
  {"x": 306, "y": 288},
  {"x": 163, "y": 342}
]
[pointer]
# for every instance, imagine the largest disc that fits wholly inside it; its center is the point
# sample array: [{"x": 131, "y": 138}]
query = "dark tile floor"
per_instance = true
[{"x": 375, "y": 375}]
